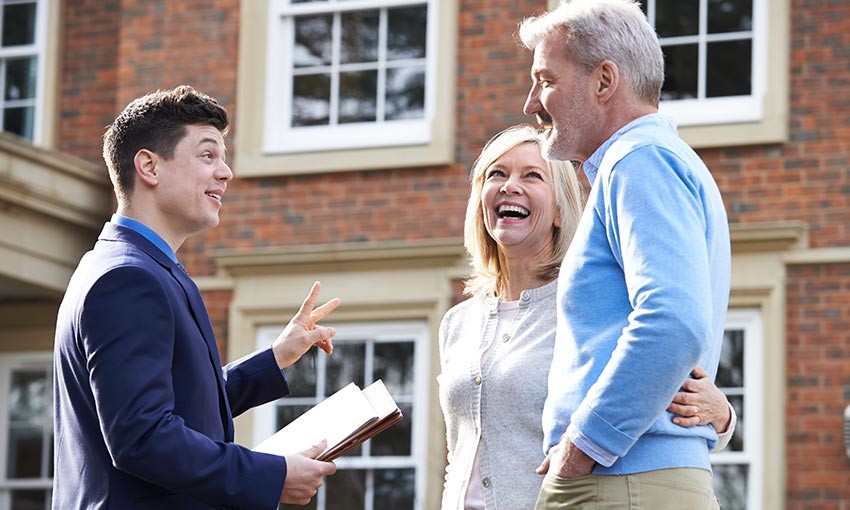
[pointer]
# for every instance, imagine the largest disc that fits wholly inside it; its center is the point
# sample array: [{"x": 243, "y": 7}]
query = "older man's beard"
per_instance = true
[
  {"x": 544, "y": 124},
  {"x": 553, "y": 143}
]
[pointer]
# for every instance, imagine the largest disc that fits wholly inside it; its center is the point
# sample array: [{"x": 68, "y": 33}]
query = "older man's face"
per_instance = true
[{"x": 561, "y": 98}]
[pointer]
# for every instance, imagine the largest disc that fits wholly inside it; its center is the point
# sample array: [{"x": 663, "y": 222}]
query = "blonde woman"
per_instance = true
[{"x": 496, "y": 347}]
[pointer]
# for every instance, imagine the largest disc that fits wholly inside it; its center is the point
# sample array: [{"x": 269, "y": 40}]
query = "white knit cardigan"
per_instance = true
[{"x": 499, "y": 403}]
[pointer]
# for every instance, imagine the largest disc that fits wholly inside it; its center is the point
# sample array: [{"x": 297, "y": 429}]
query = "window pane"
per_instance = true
[
  {"x": 405, "y": 97},
  {"x": 730, "y": 372},
  {"x": 25, "y": 447},
  {"x": 287, "y": 413},
  {"x": 346, "y": 490},
  {"x": 29, "y": 500},
  {"x": 407, "y": 28},
  {"x": 737, "y": 442},
  {"x": 345, "y": 366},
  {"x": 301, "y": 375},
  {"x": 313, "y": 40},
  {"x": 676, "y": 17},
  {"x": 358, "y": 93},
  {"x": 359, "y": 37},
  {"x": 29, "y": 399},
  {"x": 19, "y": 24},
  {"x": 394, "y": 365},
  {"x": 19, "y": 121},
  {"x": 729, "y": 15},
  {"x": 394, "y": 489},
  {"x": 730, "y": 485},
  {"x": 680, "y": 72},
  {"x": 729, "y": 68},
  {"x": 311, "y": 103},
  {"x": 396, "y": 440},
  {"x": 20, "y": 78}
]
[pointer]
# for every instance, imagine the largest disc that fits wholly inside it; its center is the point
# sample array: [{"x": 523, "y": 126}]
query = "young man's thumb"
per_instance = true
[{"x": 315, "y": 450}]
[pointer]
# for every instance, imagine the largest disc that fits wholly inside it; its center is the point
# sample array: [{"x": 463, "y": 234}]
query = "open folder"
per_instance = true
[{"x": 346, "y": 419}]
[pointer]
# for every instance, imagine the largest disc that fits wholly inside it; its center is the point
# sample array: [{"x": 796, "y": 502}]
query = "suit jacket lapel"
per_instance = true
[{"x": 202, "y": 319}]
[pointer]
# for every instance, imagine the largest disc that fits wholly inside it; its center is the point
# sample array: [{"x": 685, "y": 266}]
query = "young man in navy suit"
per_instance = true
[{"x": 143, "y": 410}]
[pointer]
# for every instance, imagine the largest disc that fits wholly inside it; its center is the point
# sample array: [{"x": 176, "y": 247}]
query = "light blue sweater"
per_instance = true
[{"x": 642, "y": 298}]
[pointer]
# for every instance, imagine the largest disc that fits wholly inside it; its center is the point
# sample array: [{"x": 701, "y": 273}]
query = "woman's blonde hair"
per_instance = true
[{"x": 487, "y": 275}]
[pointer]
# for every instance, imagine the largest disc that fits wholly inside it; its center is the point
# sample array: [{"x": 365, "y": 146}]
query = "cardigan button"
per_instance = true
[
  {"x": 506, "y": 337},
  {"x": 485, "y": 481},
  {"x": 478, "y": 380}
]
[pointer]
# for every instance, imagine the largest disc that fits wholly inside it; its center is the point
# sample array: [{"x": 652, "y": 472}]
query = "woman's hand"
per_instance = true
[{"x": 700, "y": 402}]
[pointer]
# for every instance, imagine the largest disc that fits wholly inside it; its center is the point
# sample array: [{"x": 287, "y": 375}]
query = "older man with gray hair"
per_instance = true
[{"x": 643, "y": 290}]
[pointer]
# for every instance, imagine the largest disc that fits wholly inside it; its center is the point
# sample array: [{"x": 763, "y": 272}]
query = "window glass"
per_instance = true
[
  {"x": 19, "y": 24},
  {"x": 407, "y": 31},
  {"x": 394, "y": 488},
  {"x": 311, "y": 100},
  {"x": 312, "y": 40},
  {"x": 729, "y": 68},
  {"x": 676, "y": 17},
  {"x": 20, "y": 58},
  {"x": 730, "y": 16},
  {"x": 358, "y": 91},
  {"x": 681, "y": 72},
  {"x": 301, "y": 376},
  {"x": 346, "y": 368},
  {"x": 730, "y": 485},
  {"x": 20, "y": 78},
  {"x": 352, "y": 75},
  {"x": 26, "y": 384},
  {"x": 405, "y": 93},
  {"x": 359, "y": 36}
]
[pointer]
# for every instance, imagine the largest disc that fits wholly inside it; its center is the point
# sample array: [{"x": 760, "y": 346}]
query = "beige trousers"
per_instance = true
[{"x": 664, "y": 489}]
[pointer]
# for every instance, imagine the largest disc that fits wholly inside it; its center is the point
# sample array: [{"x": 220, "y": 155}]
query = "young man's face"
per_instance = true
[
  {"x": 561, "y": 98},
  {"x": 192, "y": 183}
]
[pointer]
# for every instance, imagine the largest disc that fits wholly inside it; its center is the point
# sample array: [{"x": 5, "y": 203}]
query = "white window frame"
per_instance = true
[
  {"x": 722, "y": 110},
  {"x": 280, "y": 137},
  {"x": 9, "y": 363},
  {"x": 38, "y": 50},
  {"x": 750, "y": 322},
  {"x": 374, "y": 332}
]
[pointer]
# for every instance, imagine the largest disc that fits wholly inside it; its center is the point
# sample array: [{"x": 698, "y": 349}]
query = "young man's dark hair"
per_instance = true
[{"x": 156, "y": 122}]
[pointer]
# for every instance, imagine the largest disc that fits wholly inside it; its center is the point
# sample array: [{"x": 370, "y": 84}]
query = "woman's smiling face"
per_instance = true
[{"x": 518, "y": 201}]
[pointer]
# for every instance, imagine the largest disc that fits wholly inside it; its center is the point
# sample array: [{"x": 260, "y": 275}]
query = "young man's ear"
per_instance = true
[{"x": 145, "y": 163}]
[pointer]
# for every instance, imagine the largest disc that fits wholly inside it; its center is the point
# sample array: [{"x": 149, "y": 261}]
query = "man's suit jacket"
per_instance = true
[{"x": 143, "y": 409}]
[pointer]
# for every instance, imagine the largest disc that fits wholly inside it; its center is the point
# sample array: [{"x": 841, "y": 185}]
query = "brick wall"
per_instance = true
[
  {"x": 88, "y": 68},
  {"x": 116, "y": 50},
  {"x": 818, "y": 386},
  {"x": 218, "y": 306}
]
